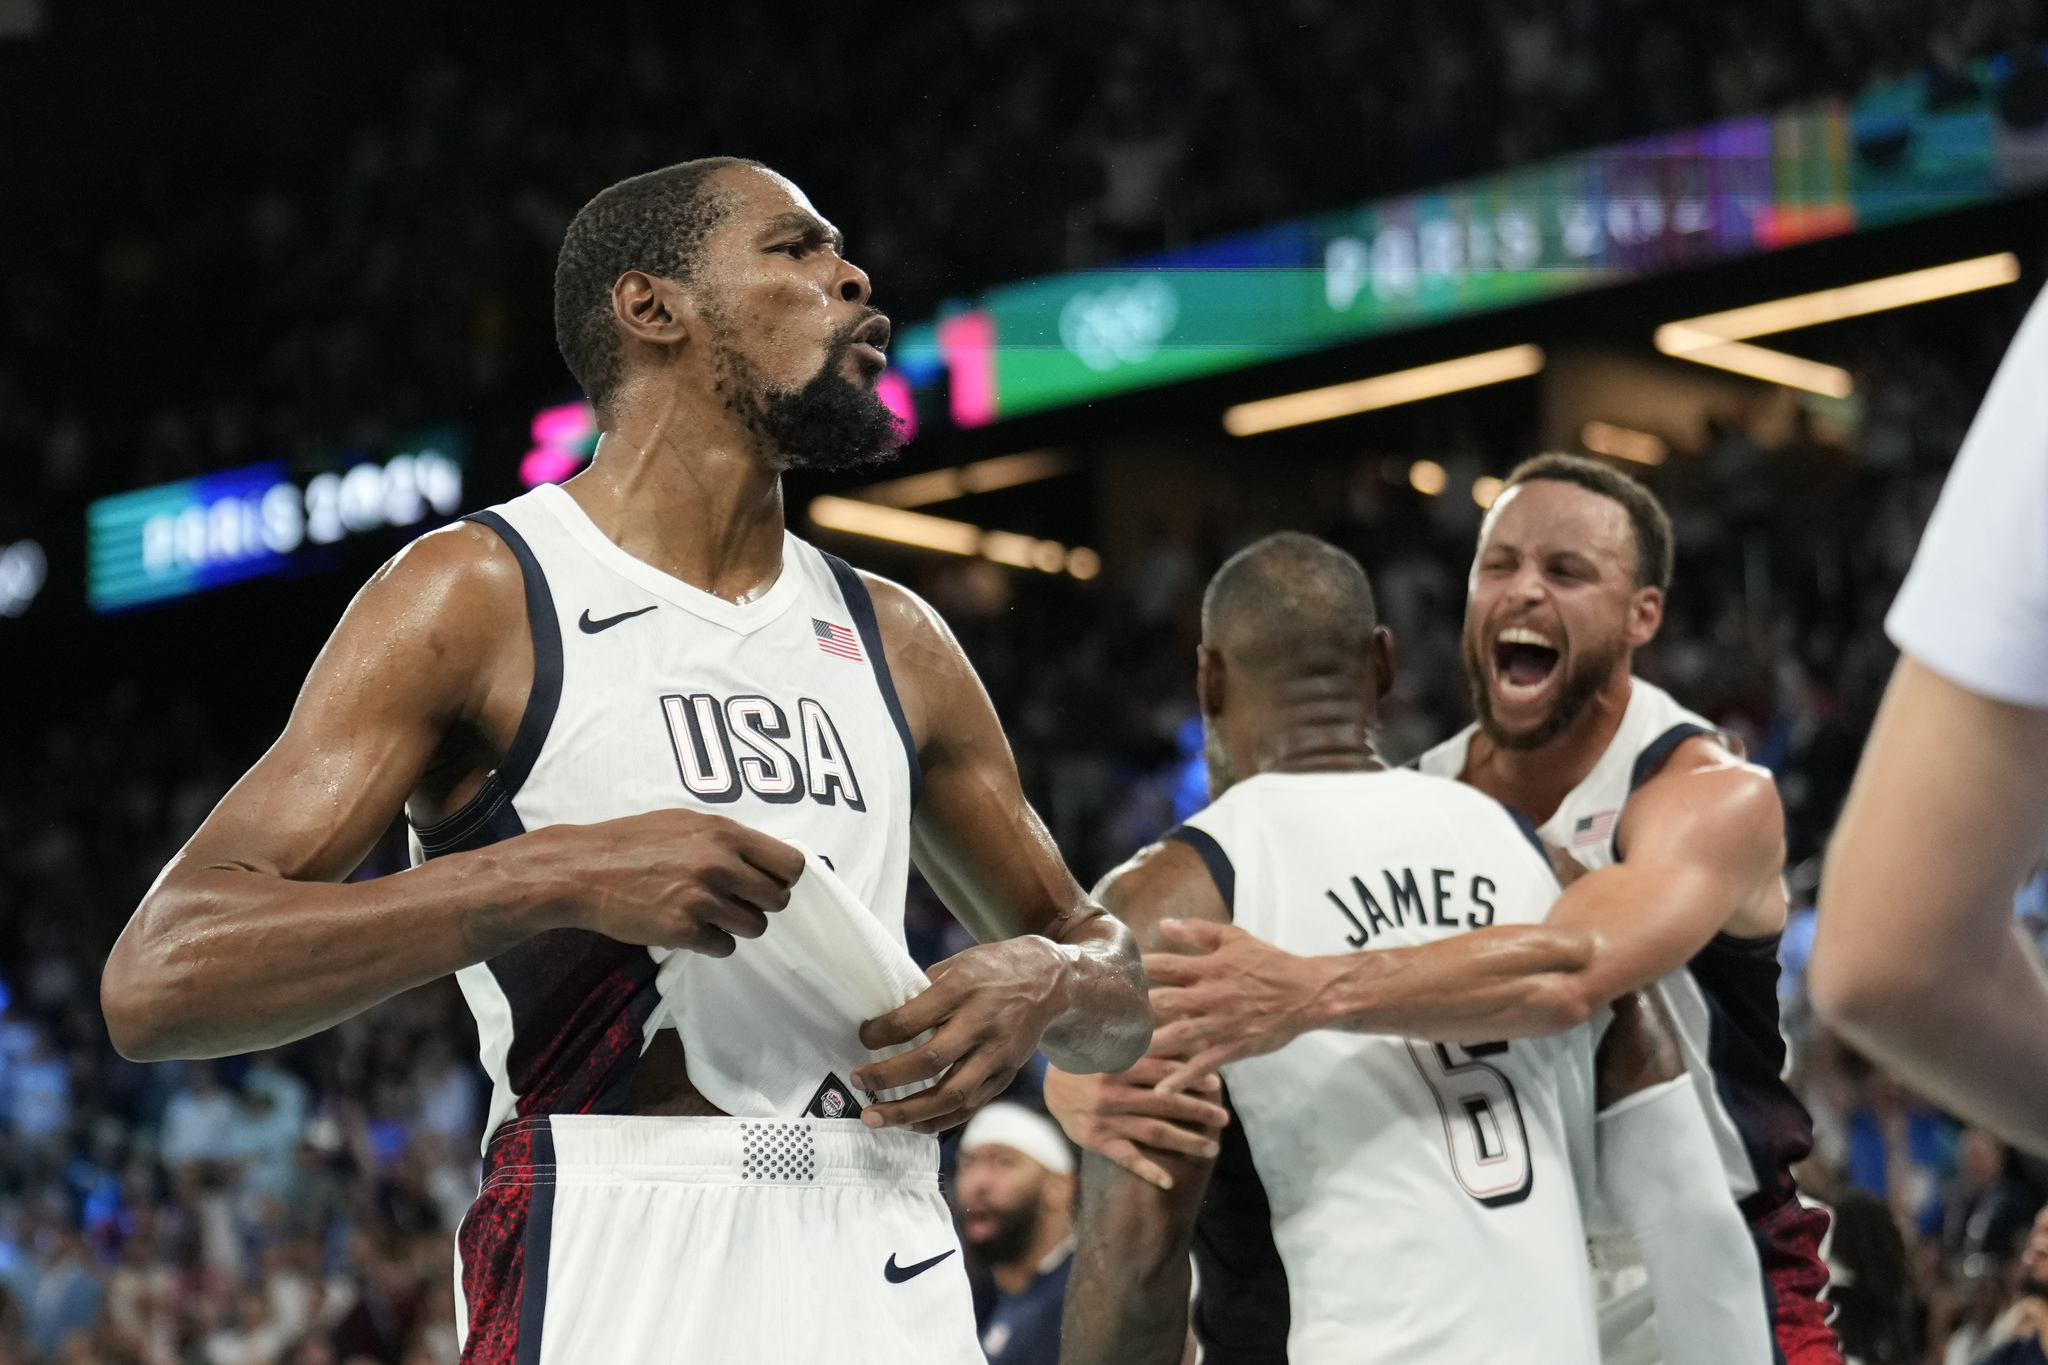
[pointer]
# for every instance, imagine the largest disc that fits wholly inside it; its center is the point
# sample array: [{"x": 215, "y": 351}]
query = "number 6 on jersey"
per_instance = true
[{"x": 1482, "y": 1120}]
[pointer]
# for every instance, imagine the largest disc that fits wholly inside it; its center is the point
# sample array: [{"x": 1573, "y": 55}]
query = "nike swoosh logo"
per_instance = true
[
  {"x": 897, "y": 1274},
  {"x": 590, "y": 627}
]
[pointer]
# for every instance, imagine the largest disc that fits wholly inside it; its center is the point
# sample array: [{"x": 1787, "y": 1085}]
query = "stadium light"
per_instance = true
[
  {"x": 983, "y": 476},
  {"x": 953, "y": 537},
  {"x": 1604, "y": 438},
  {"x": 1383, "y": 391},
  {"x": 1718, "y": 338}
]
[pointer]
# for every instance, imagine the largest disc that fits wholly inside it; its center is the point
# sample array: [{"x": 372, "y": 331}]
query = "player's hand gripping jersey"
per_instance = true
[{"x": 1425, "y": 1197}]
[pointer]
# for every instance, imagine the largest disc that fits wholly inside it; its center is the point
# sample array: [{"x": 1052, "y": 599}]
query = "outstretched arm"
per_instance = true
[
  {"x": 247, "y": 941},
  {"x": 1705, "y": 846},
  {"x": 1053, "y": 969},
  {"x": 1948, "y": 811}
]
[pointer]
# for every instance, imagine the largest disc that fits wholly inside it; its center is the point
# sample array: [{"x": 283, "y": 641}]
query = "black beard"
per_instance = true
[
  {"x": 1581, "y": 684},
  {"x": 829, "y": 423},
  {"x": 1015, "y": 1231}
]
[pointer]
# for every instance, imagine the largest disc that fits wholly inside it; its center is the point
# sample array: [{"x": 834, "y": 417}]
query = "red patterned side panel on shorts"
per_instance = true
[
  {"x": 491, "y": 1242},
  {"x": 1788, "y": 1240}
]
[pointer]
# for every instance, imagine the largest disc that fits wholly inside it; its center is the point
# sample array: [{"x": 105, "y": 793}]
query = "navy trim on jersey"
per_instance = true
[
  {"x": 1647, "y": 763},
  {"x": 1214, "y": 858},
  {"x": 534, "y": 1240},
  {"x": 1653, "y": 755},
  {"x": 484, "y": 819},
  {"x": 1241, "y": 1312},
  {"x": 862, "y": 605},
  {"x": 546, "y": 629}
]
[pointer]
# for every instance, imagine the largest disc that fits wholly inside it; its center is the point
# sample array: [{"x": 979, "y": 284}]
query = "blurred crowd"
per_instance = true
[{"x": 307, "y": 273}]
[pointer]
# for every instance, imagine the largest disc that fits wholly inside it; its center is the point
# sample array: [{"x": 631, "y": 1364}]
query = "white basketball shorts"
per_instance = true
[{"x": 628, "y": 1240}]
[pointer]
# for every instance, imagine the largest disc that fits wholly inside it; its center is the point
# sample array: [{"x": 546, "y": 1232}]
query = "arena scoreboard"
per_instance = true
[
  {"x": 1901, "y": 150},
  {"x": 174, "y": 539}
]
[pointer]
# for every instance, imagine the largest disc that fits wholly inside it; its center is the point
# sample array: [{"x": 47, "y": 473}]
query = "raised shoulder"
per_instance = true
[
  {"x": 1709, "y": 812},
  {"x": 1166, "y": 880},
  {"x": 1705, "y": 776}
]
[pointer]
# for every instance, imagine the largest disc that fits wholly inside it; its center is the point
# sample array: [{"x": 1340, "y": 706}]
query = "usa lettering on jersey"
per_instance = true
[
  {"x": 1408, "y": 905},
  {"x": 726, "y": 747}
]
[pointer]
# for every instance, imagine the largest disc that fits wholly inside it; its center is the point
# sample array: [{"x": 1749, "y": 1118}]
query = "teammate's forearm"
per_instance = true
[
  {"x": 1519, "y": 982},
  {"x": 1127, "y": 1297},
  {"x": 1479, "y": 987},
  {"x": 1107, "y": 1022},
  {"x": 1966, "y": 1048},
  {"x": 221, "y": 958}
]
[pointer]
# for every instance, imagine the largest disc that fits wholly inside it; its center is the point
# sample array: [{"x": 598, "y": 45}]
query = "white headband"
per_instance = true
[{"x": 1030, "y": 1132}]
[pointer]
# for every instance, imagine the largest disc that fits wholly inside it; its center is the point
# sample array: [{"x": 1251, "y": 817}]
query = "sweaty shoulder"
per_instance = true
[
  {"x": 1169, "y": 879},
  {"x": 924, "y": 658},
  {"x": 1708, "y": 808},
  {"x": 440, "y": 618}
]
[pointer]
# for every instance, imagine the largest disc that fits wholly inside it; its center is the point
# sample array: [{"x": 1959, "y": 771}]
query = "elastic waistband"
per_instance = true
[{"x": 712, "y": 1150}]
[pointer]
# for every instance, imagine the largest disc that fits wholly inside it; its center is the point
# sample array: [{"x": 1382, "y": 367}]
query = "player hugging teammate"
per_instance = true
[{"x": 1432, "y": 1115}]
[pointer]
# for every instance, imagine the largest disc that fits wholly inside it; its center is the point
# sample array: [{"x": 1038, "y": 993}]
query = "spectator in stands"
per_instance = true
[
  {"x": 2018, "y": 1336},
  {"x": 199, "y": 1123},
  {"x": 66, "y": 1296},
  {"x": 1015, "y": 1189}
]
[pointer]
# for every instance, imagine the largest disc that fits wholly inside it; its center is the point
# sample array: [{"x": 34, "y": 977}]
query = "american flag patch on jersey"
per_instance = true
[
  {"x": 836, "y": 639},
  {"x": 1591, "y": 829}
]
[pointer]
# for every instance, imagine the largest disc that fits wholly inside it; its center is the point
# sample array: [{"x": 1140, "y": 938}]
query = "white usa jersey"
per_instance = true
[
  {"x": 1724, "y": 1004},
  {"x": 1423, "y": 1199},
  {"x": 650, "y": 694}
]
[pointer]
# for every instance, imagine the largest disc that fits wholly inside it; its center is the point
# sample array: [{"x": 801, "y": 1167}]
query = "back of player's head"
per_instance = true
[
  {"x": 1645, "y": 514},
  {"x": 655, "y": 223},
  {"x": 1290, "y": 603}
]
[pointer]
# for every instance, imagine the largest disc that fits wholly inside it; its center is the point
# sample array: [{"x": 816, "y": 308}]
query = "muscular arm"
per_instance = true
[
  {"x": 1066, "y": 970},
  {"x": 1128, "y": 1298},
  {"x": 1916, "y": 959},
  {"x": 1705, "y": 846},
  {"x": 246, "y": 941}
]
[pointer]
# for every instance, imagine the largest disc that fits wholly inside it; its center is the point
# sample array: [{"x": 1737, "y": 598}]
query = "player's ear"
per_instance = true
[
  {"x": 1645, "y": 616},
  {"x": 1210, "y": 684},
  {"x": 1383, "y": 661},
  {"x": 652, "y": 310}
]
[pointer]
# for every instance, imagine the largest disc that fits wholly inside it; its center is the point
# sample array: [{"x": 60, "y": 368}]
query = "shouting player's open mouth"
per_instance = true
[{"x": 1525, "y": 662}]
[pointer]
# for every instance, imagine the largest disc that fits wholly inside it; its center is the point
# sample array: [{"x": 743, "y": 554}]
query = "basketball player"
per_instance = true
[
  {"x": 1683, "y": 847},
  {"x": 1915, "y": 957},
  {"x": 1383, "y": 1196},
  {"x": 604, "y": 708}
]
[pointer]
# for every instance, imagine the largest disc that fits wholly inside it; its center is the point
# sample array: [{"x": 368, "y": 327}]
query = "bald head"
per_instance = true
[{"x": 1290, "y": 604}]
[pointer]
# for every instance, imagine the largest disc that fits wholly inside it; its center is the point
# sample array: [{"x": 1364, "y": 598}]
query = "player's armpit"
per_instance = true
[
  {"x": 1639, "y": 1049},
  {"x": 1127, "y": 1296}
]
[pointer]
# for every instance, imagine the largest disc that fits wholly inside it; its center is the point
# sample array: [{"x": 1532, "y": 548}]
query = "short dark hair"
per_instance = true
[
  {"x": 1290, "y": 598},
  {"x": 1645, "y": 514},
  {"x": 654, "y": 222}
]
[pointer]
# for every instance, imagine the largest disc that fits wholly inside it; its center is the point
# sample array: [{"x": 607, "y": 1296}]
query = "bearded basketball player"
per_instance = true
[
  {"x": 1675, "y": 849},
  {"x": 604, "y": 709}
]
